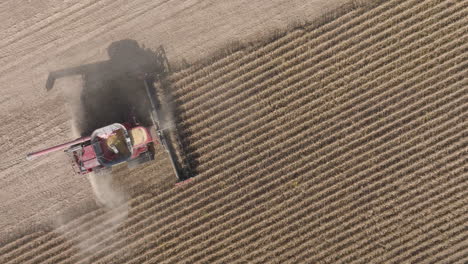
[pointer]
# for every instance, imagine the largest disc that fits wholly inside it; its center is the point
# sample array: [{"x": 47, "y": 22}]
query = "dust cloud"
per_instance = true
[
  {"x": 106, "y": 193},
  {"x": 99, "y": 94},
  {"x": 114, "y": 209}
]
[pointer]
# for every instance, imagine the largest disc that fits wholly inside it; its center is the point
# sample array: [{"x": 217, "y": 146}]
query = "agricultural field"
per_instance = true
[
  {"x": 46, "y": 36},
  {"x": 342, "y": 140}
]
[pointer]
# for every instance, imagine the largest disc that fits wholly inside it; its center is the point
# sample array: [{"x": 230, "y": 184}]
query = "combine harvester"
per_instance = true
[{"x": 129, "y": 142}]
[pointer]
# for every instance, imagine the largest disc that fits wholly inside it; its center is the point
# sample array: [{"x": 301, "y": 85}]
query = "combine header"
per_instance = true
[{"x": 129, "y": 142}]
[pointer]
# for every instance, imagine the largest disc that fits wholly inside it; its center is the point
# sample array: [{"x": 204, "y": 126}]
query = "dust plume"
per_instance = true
[
  {"x": 105, "y": 192},
  {"x": 113, "y": 211}
]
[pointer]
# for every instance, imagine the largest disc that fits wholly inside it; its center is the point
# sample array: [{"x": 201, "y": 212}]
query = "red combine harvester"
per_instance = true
[
  {"x": 129, "y": 142},
  {"x": 107, "y": 146},
  {"x": 118, "y": 143}
]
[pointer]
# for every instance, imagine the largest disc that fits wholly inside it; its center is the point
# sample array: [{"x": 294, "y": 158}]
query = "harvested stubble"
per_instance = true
[{"x": 341, "y": 141}]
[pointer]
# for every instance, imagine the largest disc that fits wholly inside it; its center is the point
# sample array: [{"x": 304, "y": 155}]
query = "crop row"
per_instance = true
[
  {"x": 86, "y": 230},
  {"x": 253, "y": 221},
  {"x": 405, "y": 240},
  {"x": 453, "y": 254},
  {"x": 352, "y": 107},
  {"x": 213, "y": 72},
  {"x": 230, "y": 223},
  {"x": 47, "y": 236},
  {"x": 55, "y": 238},
  {"x": 306, "y": 83},
  {"x": 317, "y": 52},
  {"x": 314, "y": 90},
  {"x": 226, "y": 63},
  {"x": 137, "y": 229},
  {"x": 188, "y": 75},
  {"x": 352, "y": 232},
  {"x": 318, "y": 49},
  {"x": 73, "y": 231},
  {"x": 17, "y": 244},
  {"x": 305, "y": 107},
  {"x": 280, "y": 172},
  {"x": 376, "y": 203},
  {"x": 321, "y": 42},
  {"x": 304, "y": 162},
  {"x": 167, "y": 227},
  {"x": 390, "y": 185}
]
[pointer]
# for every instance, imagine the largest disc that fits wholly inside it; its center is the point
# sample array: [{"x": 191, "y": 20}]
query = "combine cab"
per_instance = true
[{"x": 129, "y": 143}]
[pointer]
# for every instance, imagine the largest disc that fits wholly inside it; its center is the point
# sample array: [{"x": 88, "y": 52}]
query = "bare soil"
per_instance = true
[{"x": 45, "y": 36}]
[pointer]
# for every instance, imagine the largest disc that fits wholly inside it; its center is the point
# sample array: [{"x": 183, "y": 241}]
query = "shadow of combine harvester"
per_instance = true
[{"x": 126, "y": 109}]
